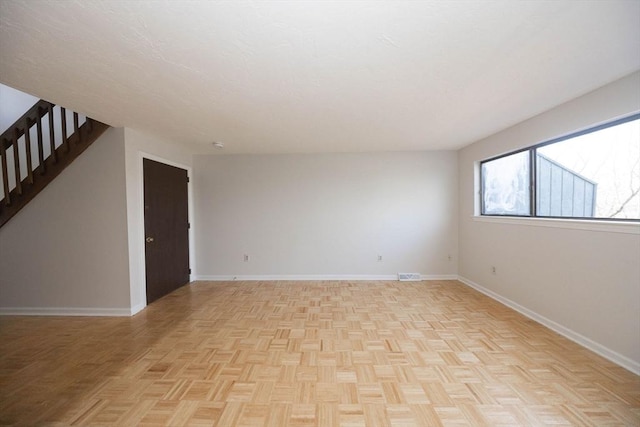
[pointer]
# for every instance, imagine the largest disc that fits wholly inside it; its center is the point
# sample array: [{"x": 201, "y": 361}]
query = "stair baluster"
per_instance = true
[
  {"x": 5, "y": 174},
  {"x": 75, "y": 127},
  {"x": 43, "y": 166},
  {"x": 63, "y": 120},
  {"x": 27, "y": 146},
  {"x": 52, "y": 135},
  {"x": 70, "y": 147},
  {"x": 16, "y": 162}
]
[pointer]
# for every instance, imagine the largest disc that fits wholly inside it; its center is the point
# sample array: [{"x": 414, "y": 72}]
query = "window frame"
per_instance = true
[{"x": 533, "y": 187}]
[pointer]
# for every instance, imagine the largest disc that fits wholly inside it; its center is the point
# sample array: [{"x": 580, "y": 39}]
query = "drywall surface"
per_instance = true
[
  {"x": 66, "y": 251},
  {"x": 139, "y": 145},
  {"x": 13, "y": 104},
  {"x": 326, "y": 215},
  {"x": 585, "y": 280}
]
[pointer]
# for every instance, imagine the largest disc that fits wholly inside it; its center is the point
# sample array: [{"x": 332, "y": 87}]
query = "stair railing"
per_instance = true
[{"x": 36, "y": 148}]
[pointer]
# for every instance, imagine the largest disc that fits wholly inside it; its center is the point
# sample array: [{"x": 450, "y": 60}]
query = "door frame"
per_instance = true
[{"x": 141, "y": 288}]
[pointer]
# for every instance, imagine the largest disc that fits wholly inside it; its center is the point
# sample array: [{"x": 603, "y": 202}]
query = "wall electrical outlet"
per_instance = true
[
  {"x": 493, "y": 269},
  {"x": 379, "y": 258},
  {"x": 246, "y": 258}
]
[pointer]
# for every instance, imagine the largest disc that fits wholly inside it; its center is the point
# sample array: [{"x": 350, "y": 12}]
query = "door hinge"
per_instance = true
[
  {"x": 189, "y": 271},
  {"x": 188, "y": 179}
]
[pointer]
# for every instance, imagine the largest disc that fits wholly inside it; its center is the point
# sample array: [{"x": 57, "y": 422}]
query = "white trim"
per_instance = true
[
  {"x": 575, "y": 224},
  {"x": 297, "y": 277},
  {"x": 316, "y": 277},
  {"x": 136, "y": 309},
  {"x": 597, "y": 348},
  {"x": 141, "y": 286},
  {"x": 439, "y": 277},
  {"x": 142, "y": 275},
  {"x": 64, "y": 311},
  {"x": 159, "y": 159}
]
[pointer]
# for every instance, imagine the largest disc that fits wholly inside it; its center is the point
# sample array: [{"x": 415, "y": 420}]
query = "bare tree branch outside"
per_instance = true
[{"x": 610, "y": 158}]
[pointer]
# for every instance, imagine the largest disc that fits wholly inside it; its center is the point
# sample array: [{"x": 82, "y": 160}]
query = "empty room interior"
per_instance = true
[{"x": 320, "y": 213}]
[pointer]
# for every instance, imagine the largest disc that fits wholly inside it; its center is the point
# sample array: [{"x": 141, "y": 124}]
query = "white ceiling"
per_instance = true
[{"x": 316, "y": 76}]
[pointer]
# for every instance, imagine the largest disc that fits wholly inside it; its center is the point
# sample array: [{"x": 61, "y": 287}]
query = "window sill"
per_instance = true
[{"x": 574, "y": 224}]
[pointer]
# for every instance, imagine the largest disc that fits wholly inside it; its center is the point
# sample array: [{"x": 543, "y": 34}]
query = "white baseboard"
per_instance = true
[
  {"x": 316, "y": 277},
  {"x": 65, "y": 311},
  {"x": 292, "y": 277},
  {"x": 597, "y": 348},
  {"x": 121, "y": 312},
  {"x": 136, "y": 309},
  {"x": 439, "y": 277}
]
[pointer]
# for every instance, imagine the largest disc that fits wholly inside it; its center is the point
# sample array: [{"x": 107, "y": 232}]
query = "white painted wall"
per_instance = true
[
  {"x": 139, "y": 145},
  {"x": 66, "y": 251},
  {"x": 587, "y": 281},
  {"x": 326, "y": 215},
  {"x": 13, "y": 104}
]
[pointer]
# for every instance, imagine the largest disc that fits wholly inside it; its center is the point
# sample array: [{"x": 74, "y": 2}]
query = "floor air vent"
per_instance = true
[{"x": 408, "y": 277}]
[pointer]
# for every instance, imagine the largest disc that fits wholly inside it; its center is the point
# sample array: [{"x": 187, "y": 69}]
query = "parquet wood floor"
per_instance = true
[{"x": 308, "y": 354}]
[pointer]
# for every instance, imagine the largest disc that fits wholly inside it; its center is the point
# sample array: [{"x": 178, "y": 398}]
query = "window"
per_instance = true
[
  {"x": 506, "y": 185},
  {"x": 594, "y": 174}
]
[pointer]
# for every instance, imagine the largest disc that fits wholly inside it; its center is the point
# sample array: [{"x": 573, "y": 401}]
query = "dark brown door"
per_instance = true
[{"x": 166, "y": 227}]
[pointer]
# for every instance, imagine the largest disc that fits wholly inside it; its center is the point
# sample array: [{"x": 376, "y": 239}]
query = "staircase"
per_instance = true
[{"x": 36, "y": 148}]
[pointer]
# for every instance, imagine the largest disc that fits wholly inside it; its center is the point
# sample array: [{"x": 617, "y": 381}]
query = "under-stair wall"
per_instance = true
[
  {"x": 36, "y": 148},
  {"x": 66, "y": 252}
]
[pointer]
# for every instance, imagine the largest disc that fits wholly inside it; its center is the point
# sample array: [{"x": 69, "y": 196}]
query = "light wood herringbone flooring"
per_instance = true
[{"x": 308, "y": 354}]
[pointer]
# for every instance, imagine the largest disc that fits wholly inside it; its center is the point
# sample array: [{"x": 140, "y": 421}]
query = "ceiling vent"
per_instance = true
[{"x": 408, "y": 277}]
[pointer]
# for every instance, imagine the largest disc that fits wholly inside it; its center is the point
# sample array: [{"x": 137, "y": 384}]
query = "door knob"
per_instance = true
[{"x": 149, "y": 239}]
